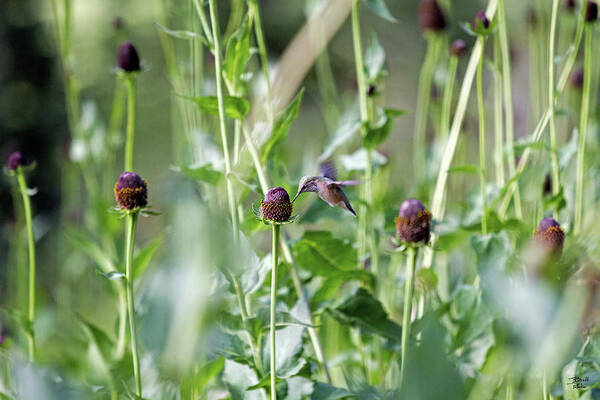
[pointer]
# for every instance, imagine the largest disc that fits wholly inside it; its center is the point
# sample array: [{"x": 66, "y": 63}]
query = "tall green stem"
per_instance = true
[
  {"x": 447, "y": 101},
  {"x": 129, "y": 247},
  {"x": 262, "y": 52},
  {"x": 411, "y": 255},
  {"x": 367, "y": 192},
  {"x": 583, "y": 126},
  {"x": 31, "y": 247},
  {"x": 222, "y": 125},
  {"x": 553, "y": 142},
  {"x": 482, "y": 159},
  {"x": 498, "y": 116},
  {"x": 130, "y": 83},
  {"x": 275, "y": 253}
]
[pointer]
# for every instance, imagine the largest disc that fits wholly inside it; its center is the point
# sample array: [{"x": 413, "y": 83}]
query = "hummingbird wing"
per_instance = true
[
  {"x": 343, "y": 200},
  {"x": 347, "y": 183}
]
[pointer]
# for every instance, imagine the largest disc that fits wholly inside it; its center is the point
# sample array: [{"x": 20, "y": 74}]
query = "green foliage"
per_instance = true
[
  {"x": 282, "y": 126},
  {"x": 235, "y": 107}
]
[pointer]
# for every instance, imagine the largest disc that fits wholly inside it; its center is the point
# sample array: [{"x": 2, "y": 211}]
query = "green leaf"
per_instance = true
[
  {"x": 289, "y": 350},
  {"x": 379, "y": 8},
  {"x": 237, "y": 55},
  {"x": 323, "y": 255},
  {"x": 281, "y": 126},
  {"x": 374, "y": 58},
  {"x": 555, "y": 202},
  {"x": 20, "y": 319},
  {"x": 465, "y": 169},
  {"x": 113, "y": 275},
  {"x": 357, "y": 161},
  {"x": 100, "y": 346},
  {"x": 324, "y": 391},
  {"x": 237, "y": 378},
  {"x": 92, "y": 249},
  {"x": 361, "y": 309},
  {"x": 235, "y": 107},
  {"x": 378, "y": 133},
  {"x": 143, "y": 257},
  {"x": 196, "y": 382},
  {"x": 348, "y": 127},
  {"x": 204, "y": 173},
  {"x": 180, "y": 34},
  {"x": 491, "y": 251}
]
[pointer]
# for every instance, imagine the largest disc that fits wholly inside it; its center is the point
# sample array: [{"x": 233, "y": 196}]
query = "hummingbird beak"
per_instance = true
[{"x": 297, "y": 194}]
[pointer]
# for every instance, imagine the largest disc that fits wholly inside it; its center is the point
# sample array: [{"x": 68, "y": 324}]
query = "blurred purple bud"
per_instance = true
[
  {"x": 431, "y": 16},
  {"x": 591, "y": 13},
  {"x": 413, "y": 222},
  {"x": 128, "y": 58},
  {"x": 458, "y": 48},
  {"x": 481, "y": 21},
  {"x": 16, "y": 160},
  {"x": 549, "y": 236},
  {"x": 131, "y": 191}
]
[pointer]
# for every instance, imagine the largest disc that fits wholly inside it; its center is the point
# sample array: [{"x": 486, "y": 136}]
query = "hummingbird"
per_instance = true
[{"x": 329, "y": 190}]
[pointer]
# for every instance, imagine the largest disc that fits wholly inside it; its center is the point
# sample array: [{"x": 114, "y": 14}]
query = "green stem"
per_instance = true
[
  {"x": 129, "y": 248},
  {"x": 508, "y": 103},
  {"x": 275, "y": 253},
  {"x": 222, "y": 125},
  {"x": 203, "y": 21},
  {"x": 130, "y": 83},
  {"x": 498, "y": 116},
  {"x": 551, "y": 101},
  {"x": 31, "y": 247},
  {"x": 447, "y": 101},
  {"x": 262, "y": 52},
  {"x": 482, "y": 158},
  {"x": 411, "y": 254},
  {"x": 122, "y": 330},
  {"x": 583, "y": 126}
]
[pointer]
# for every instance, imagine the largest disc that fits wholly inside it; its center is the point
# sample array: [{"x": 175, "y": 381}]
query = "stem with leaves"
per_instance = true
[
  {"x": 583, "y": 127},
  {"x": 262, "y": 52},
  {"x": 482, "y": 158},
  {"x": 411, "y": 255},
  {"x": 498, "y": 115},
  {"x": 447, "y": 101},
  {"x": 129, "y": 248},
  {"x": 275, "y": 253},
  {"x": 31, "y": 248},
  {"x": 130, "y": 84},
  {"x": 222, "y": 124},
  {"x": 553, "y": 142}
]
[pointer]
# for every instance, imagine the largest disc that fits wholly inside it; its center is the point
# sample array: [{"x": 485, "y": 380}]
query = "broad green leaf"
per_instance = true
[
  {"x": 361, "y": 309},
  {"x": 235, "y": 107},
  {"x": 357, "y": 161},
  {"x": 465, "y": 169},
  {"x": 20, "y": 319},
  {"x": 100, "y": 346},
  {"x": 556, "y": 202},
  {"x": 324, "y": 391},
  {"x": 237, "y": 378},
  {"x": 464, "y": 302},
  {"x": 322, "y": 254},
  {"x": 374, "y": 58},
  {"x": 492, "y": 251},
  {"x": 195, "y": 383},
  {"x": 92, "y": 249},
  {"x": 237, "y": 55},
  {"x": 143, "y": 257},
  {"x": 348, "y": 127},
  {"x": 204, "y": 173},
  {"x": 379, "y": 8},
  {"x": 288, "y": 352},
  {"x": 378, "y": 133},
  {"x": 281, "y": 126}
]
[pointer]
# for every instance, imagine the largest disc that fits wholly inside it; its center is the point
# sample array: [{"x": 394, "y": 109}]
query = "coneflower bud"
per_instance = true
[
  {"x": 591, "y": 13},
  {"x": 431, "y": 16},
  {"x": 577, "y": 78},
  {"x": 127, "y": 58},
  {"x": 412, "y": 222},
  {"x": 131, "y": 191},
  {"x": 549, "y": 236},
  {"x": 371, "y": 90},
  {"x": 570, "y": 5},
  {"x": 16, "y": 160},
  {"x": 458, "y": 48},
  {"x": 481, "y": 21},
  {"x": 276, "y": 206},
  {"x": 328, "y": 170}
]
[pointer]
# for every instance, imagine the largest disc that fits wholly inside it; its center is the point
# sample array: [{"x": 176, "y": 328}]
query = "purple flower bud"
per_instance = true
[
  {"x": 371, "y": 90},
  {"x": 16, "y": 160},
  {"x": 591, "y": 13},
  {"x": 481, "y": 21},
  {"x": 413, "y": 222},
  {"x": 431, "y": 16},
  {"x": 127, "y": 58},
  {"x": 328, "y": 170},
  {"x": 577, "y": 78},
  {"x": 549, "y": 236},
  {"x": 131, "y": 191},
  {"x": 570, "y": 5},
  {"x": 276, "y": 206},
  {"x": 458, "y": 48}
]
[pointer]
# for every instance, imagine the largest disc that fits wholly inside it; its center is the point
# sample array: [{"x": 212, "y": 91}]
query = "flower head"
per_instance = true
[
  {"x": 591, "y": 12},
  {"x": 577, "y": 78},
  {"x": 549, "y": 236},
  {"x": 458, "y": 48},
  {"x": 131, "y": 191},
  {"x": 16, "y": 160},
  {"x": 413, "y": 222},
  {"x": 431, "y": 16},
  {"x": 276, "y": 205},
  {"x": 128, "y": 58},
  {"x": 481, "y": 21}
]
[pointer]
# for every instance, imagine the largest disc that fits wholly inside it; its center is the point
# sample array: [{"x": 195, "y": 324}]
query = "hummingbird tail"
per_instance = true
[{"x": 349, "y": 207}]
